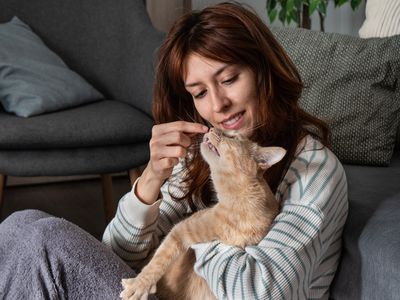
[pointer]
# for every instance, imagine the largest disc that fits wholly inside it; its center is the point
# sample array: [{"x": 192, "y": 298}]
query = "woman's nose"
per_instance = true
[{"x": 219, "y": 101}]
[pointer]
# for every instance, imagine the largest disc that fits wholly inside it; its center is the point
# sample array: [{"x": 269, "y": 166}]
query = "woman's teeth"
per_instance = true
[{"x": 233, "y": 120}]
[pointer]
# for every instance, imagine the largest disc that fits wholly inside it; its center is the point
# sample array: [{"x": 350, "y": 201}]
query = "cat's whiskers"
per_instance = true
[
  {"x": 196, "y": 141},
  {"x": 254, "y": 127}
]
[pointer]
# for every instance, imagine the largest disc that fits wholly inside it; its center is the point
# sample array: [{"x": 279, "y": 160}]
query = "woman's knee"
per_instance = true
[
  {"x": 26, "y": 216},
  {"x": 38, "y": 229}
]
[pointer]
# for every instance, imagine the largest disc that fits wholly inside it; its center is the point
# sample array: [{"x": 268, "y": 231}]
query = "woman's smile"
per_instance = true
[
  {"x": 223, "y": 94},
  {"x": 233, "y": 122}
]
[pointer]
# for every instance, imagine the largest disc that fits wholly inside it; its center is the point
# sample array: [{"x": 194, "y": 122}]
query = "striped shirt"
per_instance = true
[{"x": 298, "y": 257}]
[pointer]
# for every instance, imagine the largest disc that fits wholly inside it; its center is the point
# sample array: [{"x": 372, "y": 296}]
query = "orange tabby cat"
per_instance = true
[{"x": 245, "y": 210}]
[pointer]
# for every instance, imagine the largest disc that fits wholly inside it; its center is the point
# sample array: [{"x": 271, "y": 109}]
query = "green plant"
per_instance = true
[{"x": 300, "y": 11}]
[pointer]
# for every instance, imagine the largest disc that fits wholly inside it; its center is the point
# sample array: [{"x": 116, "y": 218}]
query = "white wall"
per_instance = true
[{"x": 342, "y": 19}]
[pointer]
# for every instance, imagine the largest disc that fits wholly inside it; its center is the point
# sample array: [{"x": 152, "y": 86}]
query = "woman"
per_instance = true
[{"x": 222, "y": 67}]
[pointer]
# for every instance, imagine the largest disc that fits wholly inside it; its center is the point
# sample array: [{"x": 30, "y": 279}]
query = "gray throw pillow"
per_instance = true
[
  {"x": 354, "y": 85},
  {"x": 33, "y": 79}
]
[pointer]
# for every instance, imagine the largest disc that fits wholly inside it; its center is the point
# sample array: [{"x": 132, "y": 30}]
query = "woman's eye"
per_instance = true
[
  {"x": 230, "y": 80},
  {"x": 200, "y": 95}
]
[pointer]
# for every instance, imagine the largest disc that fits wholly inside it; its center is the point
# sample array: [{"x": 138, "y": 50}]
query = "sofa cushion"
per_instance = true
[
  {"x": 63, "y": 162},
  {"x": 371, "y": 237},
  {"x": 89, "y": 35},
  {"x": 102, "y": 123},
  {"x": 382, "y": 18},
  {"x": 353, "y": 84},
  {"x": 33, "y": 79}
]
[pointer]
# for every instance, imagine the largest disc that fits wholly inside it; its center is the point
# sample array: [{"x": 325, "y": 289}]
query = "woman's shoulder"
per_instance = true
[
  {"x": 311, "y": 153},
  {"x": 313, "y": 175}
]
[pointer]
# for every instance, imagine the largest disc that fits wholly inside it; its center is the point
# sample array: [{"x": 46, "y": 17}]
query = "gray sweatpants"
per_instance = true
[{"x": 44, "y": 257}]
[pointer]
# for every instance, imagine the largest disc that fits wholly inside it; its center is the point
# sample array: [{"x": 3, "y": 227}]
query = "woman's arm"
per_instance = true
[
  {"x": 137, "y": 228},
  {"x": 299, "y": 256},
  {"x": 141, "y": 220}
]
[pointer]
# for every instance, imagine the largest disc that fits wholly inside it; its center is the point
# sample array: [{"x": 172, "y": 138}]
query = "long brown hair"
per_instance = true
[{"x": 230, "y": 33}]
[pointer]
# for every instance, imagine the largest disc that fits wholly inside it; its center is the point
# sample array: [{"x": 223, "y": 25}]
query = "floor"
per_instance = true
[{"x": 78, "y": 201}]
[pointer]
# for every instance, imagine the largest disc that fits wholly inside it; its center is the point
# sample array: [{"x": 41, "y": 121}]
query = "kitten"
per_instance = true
[{"x": 245, "y": 210}]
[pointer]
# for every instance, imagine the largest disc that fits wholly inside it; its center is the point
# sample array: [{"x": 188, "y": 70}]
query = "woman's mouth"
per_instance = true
[{"x": 234, "y": 122}]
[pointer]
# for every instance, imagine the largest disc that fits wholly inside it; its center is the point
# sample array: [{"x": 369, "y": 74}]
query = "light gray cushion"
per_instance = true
[
  {"x": 33, "y": 79},
  {"x": 354, "y": 85},
  {"x": 111, "y": 45},
  {"x": 369, "y": 267}
]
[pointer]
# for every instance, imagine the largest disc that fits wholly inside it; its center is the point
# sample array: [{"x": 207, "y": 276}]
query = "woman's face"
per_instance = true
[{"x": 223, "y": 94}]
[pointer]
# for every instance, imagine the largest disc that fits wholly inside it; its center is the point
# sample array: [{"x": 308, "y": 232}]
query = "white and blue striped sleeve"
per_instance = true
[
  {"x": 137, "y": 228},
  {"x": 297, "y": 259}
]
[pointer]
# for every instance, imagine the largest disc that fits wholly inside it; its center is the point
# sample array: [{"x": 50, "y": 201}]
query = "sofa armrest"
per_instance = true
[
  {"x": 370, "y": 263},
  {"x": 379, "y": 246}
]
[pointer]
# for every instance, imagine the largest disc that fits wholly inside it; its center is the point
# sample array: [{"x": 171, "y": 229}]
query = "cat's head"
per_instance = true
[{"x": 231, "y": 153}]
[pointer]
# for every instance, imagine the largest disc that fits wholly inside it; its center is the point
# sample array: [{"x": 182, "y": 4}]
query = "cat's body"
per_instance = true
[{"x": 245, "y": 210}]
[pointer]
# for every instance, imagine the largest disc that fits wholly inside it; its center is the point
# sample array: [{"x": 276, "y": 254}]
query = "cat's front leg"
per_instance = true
[
  {"x": 145, "y": 282},
  {"x": 181, "y": 237},
  {"x": 137, "y": 288}
]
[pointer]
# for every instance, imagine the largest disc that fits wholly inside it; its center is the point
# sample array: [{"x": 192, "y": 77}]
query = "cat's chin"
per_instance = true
[{"x": 209, "y": 154}]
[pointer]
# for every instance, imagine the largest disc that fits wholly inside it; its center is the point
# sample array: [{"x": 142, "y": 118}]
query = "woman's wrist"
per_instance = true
[{"x": 148, "y": 187}]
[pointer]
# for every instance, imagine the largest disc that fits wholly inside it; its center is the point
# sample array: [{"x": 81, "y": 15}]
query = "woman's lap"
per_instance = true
[{"x": 43, "y": 257}]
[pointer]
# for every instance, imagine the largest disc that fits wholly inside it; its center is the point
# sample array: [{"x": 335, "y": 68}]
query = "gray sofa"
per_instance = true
[
  {"x": 112, "y": 46},
  {"x": 354, "y": 84},
  {"x": 370, "y": 263}
]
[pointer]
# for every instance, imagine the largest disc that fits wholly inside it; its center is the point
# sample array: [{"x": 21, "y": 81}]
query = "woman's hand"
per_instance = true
[{"x": 168, "y": 143}]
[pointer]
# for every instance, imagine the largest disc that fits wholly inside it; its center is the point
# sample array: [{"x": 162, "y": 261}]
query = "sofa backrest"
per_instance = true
[{"x": 110, "y": 43}]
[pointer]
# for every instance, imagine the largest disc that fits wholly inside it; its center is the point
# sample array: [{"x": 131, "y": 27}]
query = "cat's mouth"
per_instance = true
[{"x": 210, "y": 145}]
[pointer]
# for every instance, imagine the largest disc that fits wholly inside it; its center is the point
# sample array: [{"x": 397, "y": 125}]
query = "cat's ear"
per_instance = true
[{"x": 268, "y": 156}]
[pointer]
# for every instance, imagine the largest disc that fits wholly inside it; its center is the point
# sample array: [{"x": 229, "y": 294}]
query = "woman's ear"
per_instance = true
[{"x": 268, "y": 156}]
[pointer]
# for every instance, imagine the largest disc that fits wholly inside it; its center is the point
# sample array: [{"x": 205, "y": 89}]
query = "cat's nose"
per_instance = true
[{"x": 214, "y": 130}]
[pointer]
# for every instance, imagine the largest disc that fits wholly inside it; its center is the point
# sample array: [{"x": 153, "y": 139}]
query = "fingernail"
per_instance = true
[{"x": 205, "y": 128}]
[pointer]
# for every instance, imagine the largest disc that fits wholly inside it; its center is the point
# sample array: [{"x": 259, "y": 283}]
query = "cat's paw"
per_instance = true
[{"x": 137, "y": 289}]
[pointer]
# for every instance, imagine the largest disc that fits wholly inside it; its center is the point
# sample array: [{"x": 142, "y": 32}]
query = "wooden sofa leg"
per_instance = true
[
  {"x": 109, "y": 207},
  {"x": 3, "y": 181},
  {"x": 134, "y": 174}
]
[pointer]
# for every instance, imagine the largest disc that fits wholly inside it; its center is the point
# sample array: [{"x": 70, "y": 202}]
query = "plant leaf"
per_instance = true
[
  {"x": 272, "y": 15},
  {"x": 271, "y": 4},
  {"x": 282, "y": 15},
  {"x": 296, "y": 16},
  {"x": 298, "y": 4},
  {"x": 322, "y": 7},
  {"x": 289, "y": 19},
  {"x": 313, "y": 6},
  {"x": 355, "y": 3},
  {"x": 340, "y": 2},
  {"x": 289, "y": 7}
]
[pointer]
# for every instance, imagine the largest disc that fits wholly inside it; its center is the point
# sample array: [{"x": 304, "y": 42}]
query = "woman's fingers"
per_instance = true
[
  {"x": 169, "y": 162},
  {"x": 168, "y": 143},
  {"x": 169, "y": 151},
  {"x": 171, "y": 139},
  {"x": 179, "y": 126}
]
